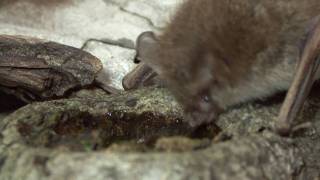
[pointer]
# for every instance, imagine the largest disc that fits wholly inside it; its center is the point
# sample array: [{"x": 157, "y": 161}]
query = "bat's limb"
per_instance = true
[
  {"x": 138, "y": 77},
  {"x": 301, "y": 84}
]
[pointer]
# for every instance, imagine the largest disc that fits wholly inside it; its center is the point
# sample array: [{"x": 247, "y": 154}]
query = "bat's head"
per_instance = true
[{"x": 190, "y": 73}]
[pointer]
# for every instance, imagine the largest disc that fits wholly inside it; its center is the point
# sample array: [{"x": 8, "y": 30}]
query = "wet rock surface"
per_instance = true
[{"x": 140, "y": 135}]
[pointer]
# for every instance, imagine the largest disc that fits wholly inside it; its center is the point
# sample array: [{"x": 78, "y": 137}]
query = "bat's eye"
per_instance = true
[
  {"x": 206, "y": 98},
  {"x": 205, "y": 101},
  {"x": 137, "y": 59}
]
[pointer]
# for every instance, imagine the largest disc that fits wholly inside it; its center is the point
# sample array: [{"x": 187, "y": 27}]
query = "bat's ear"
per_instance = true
[{"x": 146, "y": 44}]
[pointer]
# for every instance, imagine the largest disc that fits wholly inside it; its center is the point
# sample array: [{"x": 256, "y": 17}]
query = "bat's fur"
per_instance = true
[{"x": 217, "y": 53}]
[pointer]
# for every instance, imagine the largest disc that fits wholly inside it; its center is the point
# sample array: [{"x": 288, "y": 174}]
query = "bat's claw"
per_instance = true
[
  {"x": 287, "y": 130},
  {"x": 283, "y": 129}
]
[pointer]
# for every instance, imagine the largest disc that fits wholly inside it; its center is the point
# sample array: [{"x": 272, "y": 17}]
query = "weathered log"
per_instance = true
[
  {"x": 58, "y": 140},
  {"x": 34, "y": 69}
]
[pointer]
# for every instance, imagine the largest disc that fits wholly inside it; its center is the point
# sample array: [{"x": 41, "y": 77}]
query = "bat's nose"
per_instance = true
[{"x": 136, "y": 59}]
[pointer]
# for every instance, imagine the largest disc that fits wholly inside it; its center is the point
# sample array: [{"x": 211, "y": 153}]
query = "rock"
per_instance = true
[
  {"x": 180, "y": 144},
  {"x": 158, "y": 13},
  {"x": 117, "y": 62},
  {"x": 70, "y": 22},
  {"x": 69, "y": 139}
]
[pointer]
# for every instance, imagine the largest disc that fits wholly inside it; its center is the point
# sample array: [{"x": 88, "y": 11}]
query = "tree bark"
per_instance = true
[{"x": 34, "y": 69}]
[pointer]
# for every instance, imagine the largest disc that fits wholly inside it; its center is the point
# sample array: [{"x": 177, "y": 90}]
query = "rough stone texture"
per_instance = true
[
  {"x": 117, "y": 61},
  {"x": 3, "y": 115},
  {"x": 156, "y": 12},
  {"x": 251, "y": 152},
  {"x": 82, "y": 19}
]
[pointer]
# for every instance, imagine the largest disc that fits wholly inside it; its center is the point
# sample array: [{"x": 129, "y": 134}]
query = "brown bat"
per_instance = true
[{"x": 218, "y": 53}]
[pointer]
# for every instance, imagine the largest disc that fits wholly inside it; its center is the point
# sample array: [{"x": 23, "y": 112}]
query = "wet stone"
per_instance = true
[
  {"x": 131, "y": 102},
  {"x": 85, "y": 132},
  {"x": 71, "y": 137}
]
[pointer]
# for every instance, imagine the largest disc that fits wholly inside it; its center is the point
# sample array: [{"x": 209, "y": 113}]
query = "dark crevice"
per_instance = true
[{"x": 9, "y": 102}]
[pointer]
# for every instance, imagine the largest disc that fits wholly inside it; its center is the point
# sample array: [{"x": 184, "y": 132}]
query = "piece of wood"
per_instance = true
[{"x": 39, "y": 70}]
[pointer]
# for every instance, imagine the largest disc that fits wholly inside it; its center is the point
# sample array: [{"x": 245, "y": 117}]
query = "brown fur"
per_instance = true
[{"x": 230, "y": 51}]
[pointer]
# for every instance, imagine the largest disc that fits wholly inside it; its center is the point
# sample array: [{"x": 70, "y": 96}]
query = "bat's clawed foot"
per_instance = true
[
  {"x": 283, "y": 129},
  {"x": 286, "y": 130}
]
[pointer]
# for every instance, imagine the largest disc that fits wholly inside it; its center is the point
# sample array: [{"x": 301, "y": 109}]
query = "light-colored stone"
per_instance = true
[
  {"x": 117, "y": 62},
  {"x": 158, "y": 12},
  {"x": 79, "y": 19}
]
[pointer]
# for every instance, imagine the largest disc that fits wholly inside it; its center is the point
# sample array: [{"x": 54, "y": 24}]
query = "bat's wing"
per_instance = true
[{"x": 302, "y": 82}]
